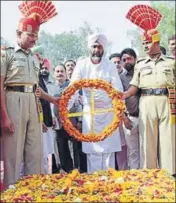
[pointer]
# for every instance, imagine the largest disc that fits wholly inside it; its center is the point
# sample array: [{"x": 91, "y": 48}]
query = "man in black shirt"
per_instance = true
[{"x": 131, "y": 128}]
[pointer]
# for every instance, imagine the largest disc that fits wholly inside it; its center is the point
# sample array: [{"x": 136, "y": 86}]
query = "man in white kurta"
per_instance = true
[{"x": 100, "y": 155}]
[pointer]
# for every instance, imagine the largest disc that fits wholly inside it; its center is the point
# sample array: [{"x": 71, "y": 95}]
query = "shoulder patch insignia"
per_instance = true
[
  {"x": 3, "y": 50},
  {"x": 2, "y": 54},
  {"x": 169, "y": 57},
  {"x": 3, "y": 47},
  {"x": 10, "y": 48}
]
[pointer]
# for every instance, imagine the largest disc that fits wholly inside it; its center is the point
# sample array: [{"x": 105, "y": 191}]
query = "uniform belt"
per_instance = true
[
  {"x": 22, "y": 88},
  {"x": 157, "y": 91}
]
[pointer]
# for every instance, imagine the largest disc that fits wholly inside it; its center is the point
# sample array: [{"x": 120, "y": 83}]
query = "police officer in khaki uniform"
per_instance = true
[
  {"x": 155, "y": 77},
  {"x": 20, "y": 108}
]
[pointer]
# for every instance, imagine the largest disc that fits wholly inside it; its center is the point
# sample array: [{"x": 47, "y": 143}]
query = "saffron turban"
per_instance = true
[
  {"x": 34, "y": 14},
  {"x": 147, "y": 18},
  {"x": 46, "y": 64}
]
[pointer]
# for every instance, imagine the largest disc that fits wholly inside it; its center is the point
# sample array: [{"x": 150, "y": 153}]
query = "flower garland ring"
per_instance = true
[{"x": 117, "y": 103}]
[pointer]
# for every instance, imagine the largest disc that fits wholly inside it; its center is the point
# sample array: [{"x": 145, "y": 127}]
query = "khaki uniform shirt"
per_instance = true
[
  {"x": 19, "y": 67},
  {"x": 151, "y": 73}
]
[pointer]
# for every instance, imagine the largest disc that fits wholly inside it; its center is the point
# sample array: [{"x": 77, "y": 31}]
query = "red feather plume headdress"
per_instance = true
[
  {"x": 35, "y": 13},
  {"x": 147, "y": 18}
]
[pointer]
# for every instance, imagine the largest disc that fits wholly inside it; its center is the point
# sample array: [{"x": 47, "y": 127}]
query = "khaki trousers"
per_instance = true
[
  {"x": 157, "y": 135},
  {"x": 26, "y": 143}
]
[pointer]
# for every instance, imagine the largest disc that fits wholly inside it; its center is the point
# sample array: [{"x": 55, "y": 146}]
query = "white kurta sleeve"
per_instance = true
[
  {"x": 76, "y": 76},
  {"x": 115, "y": 78}
]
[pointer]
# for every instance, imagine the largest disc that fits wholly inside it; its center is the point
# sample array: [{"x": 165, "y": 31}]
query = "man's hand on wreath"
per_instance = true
[
  {"x": 38, "y": 92},
  {"x": 45, "y": 96},
  {"x": 120, "y": 95},
  {"x": 55, "y": 100},
  {"x": 125, "y": 95},
  {"x": 61, "y": 120}
]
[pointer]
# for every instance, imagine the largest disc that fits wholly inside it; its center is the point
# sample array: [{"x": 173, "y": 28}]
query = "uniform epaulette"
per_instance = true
[
  {"x": 3, "y": 50},
  {"x": 5, "y": 47},
  {"x": 169, "y": 57},
  {"x": 139, "y": 60}
]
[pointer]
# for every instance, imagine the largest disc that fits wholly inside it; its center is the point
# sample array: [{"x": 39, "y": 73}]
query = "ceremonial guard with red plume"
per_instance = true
[
  {"x": 20, "y": 108},
  {"x": 154, "y": 76}
]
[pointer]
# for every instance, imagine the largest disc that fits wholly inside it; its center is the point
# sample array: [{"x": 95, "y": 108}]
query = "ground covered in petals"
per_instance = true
[{"x": 147, "y": 185}]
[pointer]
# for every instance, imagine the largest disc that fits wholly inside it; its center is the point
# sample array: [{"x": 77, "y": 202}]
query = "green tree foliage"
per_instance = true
[
  {"x": 61, "y": 47},
  {"x": 66, "y": 45},
  {"x": 166, "y": 26}
]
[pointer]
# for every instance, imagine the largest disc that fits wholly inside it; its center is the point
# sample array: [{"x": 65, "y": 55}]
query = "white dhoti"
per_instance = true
[
  {"x": 100, "y": 161},
  {"x": 100, "y": 155},
  {"x": 48, "y": 149}
]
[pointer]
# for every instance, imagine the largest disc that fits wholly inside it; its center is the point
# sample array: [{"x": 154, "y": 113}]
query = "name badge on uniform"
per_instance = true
[
  {"x": 20, "y": 59},
  {"x": 146, "y": 68}
]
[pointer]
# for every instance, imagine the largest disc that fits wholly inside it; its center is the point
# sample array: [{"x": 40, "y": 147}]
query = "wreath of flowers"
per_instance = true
[{"x": 117, "y": 103}]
